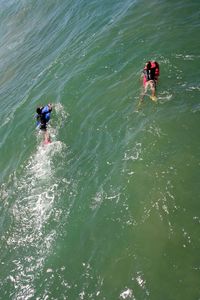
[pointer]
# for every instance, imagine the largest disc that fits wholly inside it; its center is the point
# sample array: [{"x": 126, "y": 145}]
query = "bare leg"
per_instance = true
[
  {"x": 47, "y": 138},
  {"x": 143, "y": 92},
  {"x": 153, "y": 90}
]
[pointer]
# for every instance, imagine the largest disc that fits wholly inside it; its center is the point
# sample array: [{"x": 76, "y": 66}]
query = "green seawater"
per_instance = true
[{"x": 111, "y": 208}]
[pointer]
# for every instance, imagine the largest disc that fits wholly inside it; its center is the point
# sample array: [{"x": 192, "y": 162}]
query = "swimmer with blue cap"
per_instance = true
[{"x": 43, "y": 116}]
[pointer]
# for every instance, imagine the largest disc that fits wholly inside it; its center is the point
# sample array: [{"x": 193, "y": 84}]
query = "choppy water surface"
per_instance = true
[{"x": 110, "y": 209}]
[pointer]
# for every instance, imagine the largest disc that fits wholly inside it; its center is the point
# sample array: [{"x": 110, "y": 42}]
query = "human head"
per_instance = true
[
  {"x": 148, "y": 65},
  {"x": 38, "y": 110}
]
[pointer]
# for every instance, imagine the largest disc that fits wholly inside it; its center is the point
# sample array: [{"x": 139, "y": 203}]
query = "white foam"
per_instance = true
[
  {"x": 34, "y": 192},
  {"x": 164, "y": 97},
  {"x": 127, "y": 294},
  {"x": 134, "y": 153},
  {"x": 187, "y": 56}
]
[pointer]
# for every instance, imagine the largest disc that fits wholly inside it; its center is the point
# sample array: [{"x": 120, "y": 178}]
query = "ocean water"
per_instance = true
[{"x": 111, "y": 208}]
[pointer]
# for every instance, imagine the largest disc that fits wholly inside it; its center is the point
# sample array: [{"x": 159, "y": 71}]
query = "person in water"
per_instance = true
[
  {"x": 43, "y": 116},
  {"x": 151, "y": 73}
]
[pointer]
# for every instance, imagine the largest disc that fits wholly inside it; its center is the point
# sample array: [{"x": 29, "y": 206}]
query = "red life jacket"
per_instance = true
[
  {"x": 153, "y": 72},
  {"x": 155, "y": 65}
]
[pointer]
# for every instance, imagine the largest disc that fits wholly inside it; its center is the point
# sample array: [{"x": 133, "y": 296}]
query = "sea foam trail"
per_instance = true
[{"x": 33, "y": 199}]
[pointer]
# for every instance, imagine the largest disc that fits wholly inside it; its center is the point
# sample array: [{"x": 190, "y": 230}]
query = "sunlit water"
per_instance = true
[{"x": 109, "y": 209}]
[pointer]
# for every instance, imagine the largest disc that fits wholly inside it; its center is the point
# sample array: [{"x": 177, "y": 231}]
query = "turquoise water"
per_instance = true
[{"x": 110, "y": 209}]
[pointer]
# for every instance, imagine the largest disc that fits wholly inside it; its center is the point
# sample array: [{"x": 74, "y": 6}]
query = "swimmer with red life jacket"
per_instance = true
[
  {"x": 150, "y": 75},
  {"x": 43, "y": 116}
]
